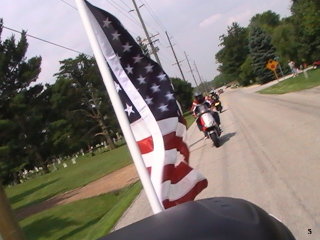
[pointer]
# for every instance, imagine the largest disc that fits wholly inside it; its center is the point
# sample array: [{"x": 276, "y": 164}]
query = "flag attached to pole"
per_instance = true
[{"x": 153, "y": 112}]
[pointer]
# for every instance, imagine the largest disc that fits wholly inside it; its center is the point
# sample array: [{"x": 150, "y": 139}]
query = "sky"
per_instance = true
[{"x": 193, "y": 25}]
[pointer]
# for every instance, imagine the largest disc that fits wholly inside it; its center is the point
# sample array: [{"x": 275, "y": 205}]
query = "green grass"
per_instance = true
[
  {"x": 295, "y": 84},
  {"x": 189, "y": 118},
  {"x": 87, "y": 169},
  {"x": 84, "y": 219}
]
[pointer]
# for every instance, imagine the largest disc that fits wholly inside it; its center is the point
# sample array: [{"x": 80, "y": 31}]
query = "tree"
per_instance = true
[
  {"x": 221, "y": 80},
  {"x": 247, "y": 75},
  {"x": 16, "y": 75},
  {"x": 234, "y": 50},
  {"x": 307, "y": 25},
  {"x": 261, "y": 50},
  {"x": 267, "y": 21},
  {"x": 285, "y": 41},
  {"x": 84, "y": 76},
  {"x": 183, "y": 92}
]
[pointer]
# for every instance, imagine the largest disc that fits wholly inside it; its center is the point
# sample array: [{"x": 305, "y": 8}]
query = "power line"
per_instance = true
[
  {"x": 125, "y": 4},
  {"x": 69, "y": 4},
  {"x": 46, "y": 41}
]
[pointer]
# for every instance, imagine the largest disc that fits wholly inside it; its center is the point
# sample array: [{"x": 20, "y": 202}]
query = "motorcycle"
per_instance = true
[{"x": 209, "y": 125}]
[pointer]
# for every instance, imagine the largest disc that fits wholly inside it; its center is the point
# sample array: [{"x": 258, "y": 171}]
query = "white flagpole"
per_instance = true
[{"x": 119, "y": 110}]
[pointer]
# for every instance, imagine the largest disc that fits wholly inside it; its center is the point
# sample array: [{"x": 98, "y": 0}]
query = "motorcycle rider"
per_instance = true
[
  {"x": 214, "y": 95},
  {"x": 214, "y": 98},
  {"x": 200, "y": 99}
]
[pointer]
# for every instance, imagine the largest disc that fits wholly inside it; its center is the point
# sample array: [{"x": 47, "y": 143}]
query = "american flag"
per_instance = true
[{"x": 153, "y": 112}]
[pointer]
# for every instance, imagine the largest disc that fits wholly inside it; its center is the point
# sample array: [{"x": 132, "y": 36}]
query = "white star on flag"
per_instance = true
[
  {"x": 118, "y": 88},
  {"x": 129, "y": 69},
  {"x": 162, "y": 77},
  {"x": 106, "y": 23},
  {"x": 149, "y": 68},
  {"x": 155, "y": 88},
  {"x": 137, "y": 58},
  {"x": 115, "y": 35},
  {"x": 126, "y": 47},
  {"x": 163, "y": 107},
  {"x": 118, "y": 57},
  {"x": 141, "y": 80},
  {"x": 148, "y": 100},
  {"x": 169, "y": 96},
  {"x": 129, "y": 110}
]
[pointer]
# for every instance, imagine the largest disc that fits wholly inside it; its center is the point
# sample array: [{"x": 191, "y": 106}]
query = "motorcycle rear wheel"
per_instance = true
[{"x": 215, "y": 139}]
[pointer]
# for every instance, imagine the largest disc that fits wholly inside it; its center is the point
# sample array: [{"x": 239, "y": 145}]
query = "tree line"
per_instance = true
[
  {"x": 40, "y": 123},
  {"x": 246, "y": 50}
]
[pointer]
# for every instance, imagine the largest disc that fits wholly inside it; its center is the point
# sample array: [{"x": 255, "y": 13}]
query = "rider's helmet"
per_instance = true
[
  {"x": 199, "y": 98},
  {"x": 212, "y": 92}
]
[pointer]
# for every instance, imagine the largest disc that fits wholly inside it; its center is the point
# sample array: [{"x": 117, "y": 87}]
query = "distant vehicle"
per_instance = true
[{"x": 316, "y": 64}]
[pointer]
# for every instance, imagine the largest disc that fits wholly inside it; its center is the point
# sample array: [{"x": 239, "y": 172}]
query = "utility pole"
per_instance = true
[
  {"x": 9, "y": 228},
  {"x": 194, "y": 79},
  {"x": 175, "y": 56},
  {"x": 153, "y": 49},
  {"x": 203, "y": 83}
]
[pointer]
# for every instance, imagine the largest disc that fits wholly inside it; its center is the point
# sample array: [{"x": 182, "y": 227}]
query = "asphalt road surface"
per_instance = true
[{"x": 270, "y": 155}]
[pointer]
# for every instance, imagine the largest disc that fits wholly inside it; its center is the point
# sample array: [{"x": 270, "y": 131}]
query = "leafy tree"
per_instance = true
[
  {"x": 261, "y": 50},
  {"x": 221, "y": 80},
  {"x": 285, "y": 41},
  {"x": 247, "y": 75},
  {"x": 93, "y": 103},
  {"x": 307, "y": 23},
  {"x": 267, "y": 21},
  {"x": 183, "y": 92},
  {"x": 16, "y": 75},
  {"x": 33, "y": 118},
  {"x": 234, "y": 50}
]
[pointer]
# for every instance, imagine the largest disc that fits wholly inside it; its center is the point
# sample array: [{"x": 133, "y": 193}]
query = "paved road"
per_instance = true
[{"x": 270, "y": 156}]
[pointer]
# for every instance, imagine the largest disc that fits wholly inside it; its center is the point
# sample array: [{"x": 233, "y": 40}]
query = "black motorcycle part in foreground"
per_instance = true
[{"x": 219, "y": 218}]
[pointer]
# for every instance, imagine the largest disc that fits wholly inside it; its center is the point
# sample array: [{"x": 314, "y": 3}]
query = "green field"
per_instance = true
[
  {"x": 84, "y": 219},
  {"x": 87, "y": 169},
  {"x": 295, "y": 83},
  {"x": 189, "y": 118}
]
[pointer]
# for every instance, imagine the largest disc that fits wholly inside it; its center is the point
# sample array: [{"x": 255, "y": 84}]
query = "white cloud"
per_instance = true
[{"x": 210, "y": 20}]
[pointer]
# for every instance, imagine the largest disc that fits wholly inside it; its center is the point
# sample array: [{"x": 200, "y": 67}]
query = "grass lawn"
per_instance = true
[
  {"x": 189, "y": 118},
  {"x": 87, "y": 169},
  {"x": 295, "y": 84},
  {"x": 86, "y": 219}
]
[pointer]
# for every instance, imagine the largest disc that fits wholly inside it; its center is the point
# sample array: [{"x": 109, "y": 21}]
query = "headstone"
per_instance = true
[
  {"x": 59, "y": 161},
  {"x": 65, "y": 165},
  {"x": 36, "y": 169},
  {"x": 73, "y": 160},
  {"x": 118, "y": 136},
  {"x": 54, "y": 167}
]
